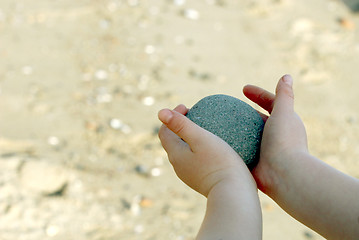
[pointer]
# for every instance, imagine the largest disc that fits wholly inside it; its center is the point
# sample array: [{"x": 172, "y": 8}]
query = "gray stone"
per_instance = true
[{"x": 234, "y": 121}]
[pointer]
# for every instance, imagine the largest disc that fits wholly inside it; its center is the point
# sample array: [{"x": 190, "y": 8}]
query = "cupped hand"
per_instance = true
[
  {"x": 200, "y": 158},
  {"x": 284, "y": 133}
]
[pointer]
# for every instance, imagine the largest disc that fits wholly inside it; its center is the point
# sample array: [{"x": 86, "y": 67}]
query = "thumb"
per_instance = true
[
  {"x": 284, "y": 99},
  {"x": 183, "y": 127}
]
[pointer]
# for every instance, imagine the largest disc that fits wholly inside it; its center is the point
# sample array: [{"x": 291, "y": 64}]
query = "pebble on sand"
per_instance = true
[{"x": 43, "y": 177}]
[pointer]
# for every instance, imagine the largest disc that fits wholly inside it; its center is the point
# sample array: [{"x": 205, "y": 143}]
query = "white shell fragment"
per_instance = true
[
  {"x": 191, "y": 14},
  {"x": 148, "y": 101}
]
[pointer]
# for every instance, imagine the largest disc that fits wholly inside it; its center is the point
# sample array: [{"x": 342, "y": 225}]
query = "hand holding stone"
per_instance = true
[
  {"x": 284, "y": 134},
  {"x": 234, "y": 121},
  {"x": 200, "y": 158}
]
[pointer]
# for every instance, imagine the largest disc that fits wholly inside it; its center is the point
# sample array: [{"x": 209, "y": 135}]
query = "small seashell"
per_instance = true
[
  {"x": 139, "y": 229},
  {"x": 302, "y": 26},
  {"x": 116, "y": 123},
  {"x": 150, "y": 49},
  {"x": 103, "y": 96},
  {"x": 179, "y": 2},
  {"x": 101, "y": 74},
  {"x": 191, "y": 14},
  {"x": 53, "y": 141},
  {"x": 155, "y": 172},
  {"x": 52, "y": 230},
  {"x": 135, "y": 205},
  {"x": 148, "y": 101},
  {"x": 27, "y": 70}
]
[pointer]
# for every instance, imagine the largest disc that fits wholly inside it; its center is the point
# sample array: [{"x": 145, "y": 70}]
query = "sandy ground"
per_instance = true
[{"x": 81, "y": 83}]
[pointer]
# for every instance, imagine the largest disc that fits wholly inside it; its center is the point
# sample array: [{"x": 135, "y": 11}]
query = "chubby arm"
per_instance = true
[
  {"x": 313, "y": 192},
  {"x": 233, "y": 212},
  {"x": 319, "y": 196},
  {"x": 211, "y": 167}
]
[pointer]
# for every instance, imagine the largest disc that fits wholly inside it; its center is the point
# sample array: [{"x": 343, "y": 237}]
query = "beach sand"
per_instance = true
[{"x": 81, "y": 83}]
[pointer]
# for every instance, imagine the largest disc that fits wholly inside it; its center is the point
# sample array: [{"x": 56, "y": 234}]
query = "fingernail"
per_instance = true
[
  {"x": 165, "y": 115},
  {"x": 288, "y": 79}
]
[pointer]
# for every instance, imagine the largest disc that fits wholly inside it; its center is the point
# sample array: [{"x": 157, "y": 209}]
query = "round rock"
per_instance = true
[
  {"x": 234, "y": 121},
  {"x": 43, "y": 177}
]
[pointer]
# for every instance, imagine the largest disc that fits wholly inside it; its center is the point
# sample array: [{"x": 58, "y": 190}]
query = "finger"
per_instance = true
[
  {"x": 171, "y": 142},
  {"x": 284, "y": 100},
  {"x": 181, "y": 109},
  {"x": 260, "y": 96},
  {"x": 190, "y": 132}
]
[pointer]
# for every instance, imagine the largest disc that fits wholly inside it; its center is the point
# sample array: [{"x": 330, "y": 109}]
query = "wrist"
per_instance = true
[
  {"x": 273, "y": 174},
  {"x": 233, "y": 204},
  {"x": 230, "y": 180}
]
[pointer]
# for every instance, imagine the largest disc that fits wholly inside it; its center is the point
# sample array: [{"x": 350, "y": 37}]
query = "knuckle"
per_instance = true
[
  {"x": 290, "y": 93},
  {"x": 262, "y": 95},
  {"x": 287, "y": 90},
  {"x": 178, "y": 125},
  {"x": 162, "y": 133}
]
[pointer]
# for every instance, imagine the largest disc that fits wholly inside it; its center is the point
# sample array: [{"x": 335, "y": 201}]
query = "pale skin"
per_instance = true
[
  {"x": 313, "y": 192},
  {"x": 232, "y": 198}
]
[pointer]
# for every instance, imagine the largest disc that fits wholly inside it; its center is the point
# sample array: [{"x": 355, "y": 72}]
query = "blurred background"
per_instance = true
[{"x": 81, "y": 83}]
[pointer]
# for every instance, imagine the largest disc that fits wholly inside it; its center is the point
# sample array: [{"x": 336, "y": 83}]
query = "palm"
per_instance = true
[{"x": 283, "y": 134}]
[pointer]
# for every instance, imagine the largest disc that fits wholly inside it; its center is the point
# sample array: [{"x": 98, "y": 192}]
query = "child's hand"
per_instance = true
[
  {"x": 313, "y": 192},
  {"x": 284, "y": 134},
  {"x": 210, "y": 166},
  {"x": 201, "y": 159}
]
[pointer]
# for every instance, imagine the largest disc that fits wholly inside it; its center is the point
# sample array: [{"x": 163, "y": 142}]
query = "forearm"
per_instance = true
[
  {"x": 319, "y": 196},
  {"x": 233, "y": 212}
]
